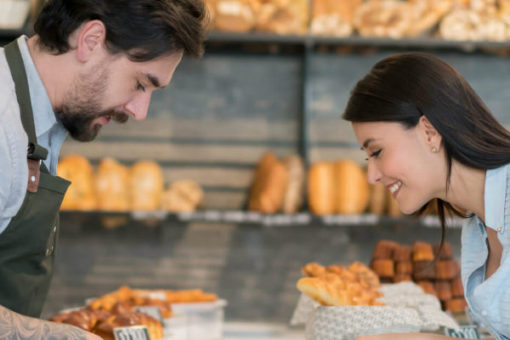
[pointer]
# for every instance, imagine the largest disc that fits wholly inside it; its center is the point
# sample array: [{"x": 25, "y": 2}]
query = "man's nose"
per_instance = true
[{"x": 139, "y": 106}]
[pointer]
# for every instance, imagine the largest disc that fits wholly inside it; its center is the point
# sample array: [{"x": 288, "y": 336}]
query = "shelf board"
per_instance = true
[
  {"x": 311, "y": 40},
  {"x": 272, "y": 220}
]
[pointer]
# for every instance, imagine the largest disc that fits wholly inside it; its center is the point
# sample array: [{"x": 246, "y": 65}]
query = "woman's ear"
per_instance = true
[
  {"x": 90, "y": 39},
  {"x": 432, "y": 138}
]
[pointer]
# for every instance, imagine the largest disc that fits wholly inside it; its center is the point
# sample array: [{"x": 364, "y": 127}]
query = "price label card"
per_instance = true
[
  {"x": 465, "y": 332},
  {"x": 131, "y": 333},
  {"x": 151, "y": 311}
]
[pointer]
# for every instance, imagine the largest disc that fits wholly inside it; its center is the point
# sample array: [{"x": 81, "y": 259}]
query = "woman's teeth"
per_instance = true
[{"x": 395, "y": 187}]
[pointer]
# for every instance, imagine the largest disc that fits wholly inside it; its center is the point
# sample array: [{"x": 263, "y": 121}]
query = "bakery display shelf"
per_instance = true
[
  {"x": 273, "y": 220},
  {"x": 311, "y": 40}
]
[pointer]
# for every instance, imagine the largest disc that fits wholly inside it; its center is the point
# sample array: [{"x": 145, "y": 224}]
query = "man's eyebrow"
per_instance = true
[
  {"x": 365, "y": 144},
  {"x": 153, "y": 80}
]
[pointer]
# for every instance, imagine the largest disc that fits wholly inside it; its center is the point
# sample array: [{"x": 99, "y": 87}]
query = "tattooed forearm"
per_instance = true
[{"x": 16, "y": 326}]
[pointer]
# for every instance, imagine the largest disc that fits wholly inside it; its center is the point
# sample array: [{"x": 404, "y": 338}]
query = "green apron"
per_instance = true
[{"x": 27, "y": 245}]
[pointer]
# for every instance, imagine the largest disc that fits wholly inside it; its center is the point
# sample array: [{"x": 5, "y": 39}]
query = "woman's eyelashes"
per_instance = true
[{"x": 374, "y": 154}]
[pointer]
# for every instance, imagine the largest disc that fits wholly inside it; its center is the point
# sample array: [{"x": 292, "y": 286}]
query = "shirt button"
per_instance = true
[{"x": 484, "y": 313}]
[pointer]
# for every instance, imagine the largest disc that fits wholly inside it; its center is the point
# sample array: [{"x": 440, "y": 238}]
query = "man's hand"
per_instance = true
[{"x": 19, "y": 327}]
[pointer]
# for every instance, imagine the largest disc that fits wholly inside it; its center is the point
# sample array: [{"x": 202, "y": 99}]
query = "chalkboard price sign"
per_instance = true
[
  {"x": 465, "y": 332},
  {"x": 131, "y": 333}
]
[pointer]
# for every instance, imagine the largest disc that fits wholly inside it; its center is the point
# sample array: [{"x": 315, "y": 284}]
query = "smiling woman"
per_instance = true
[{"x": 429, "y": 136}]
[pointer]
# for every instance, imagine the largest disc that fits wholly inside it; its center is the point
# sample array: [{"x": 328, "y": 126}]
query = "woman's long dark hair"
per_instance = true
[{"x": 404, "y": 87}]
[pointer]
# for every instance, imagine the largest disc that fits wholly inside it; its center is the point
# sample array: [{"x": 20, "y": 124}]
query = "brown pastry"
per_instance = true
[
  {"x": 422, "y": 251},
  {"x": 402, "y": 253},
  {"x": 427, "y": 287},
  {"x": 456, "y": 305},
  {"x": 105, "y": 328},
  {"x": 403, "y": 267},
  {"x": 447, "y": 270},
  {"x": 424, "y": 270},
  {"x": 446, "y": 252},
  {"x": 457, "y": 287},
  {"x": 365, "y": 274},
  {"x": 384, "y": 249},
  {"x": 313, "y": 269},
  {"x": 402, "y": 277},
  {"x": 383, "y": 267},
  {"x": 444, "y": 290}
]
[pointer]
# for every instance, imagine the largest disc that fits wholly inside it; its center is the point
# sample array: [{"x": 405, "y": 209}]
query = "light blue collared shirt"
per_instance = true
[
  {"x": 13, "y": 138},
  {"x": 489, "y": 300},
  {"x": 50, "y": 132}
]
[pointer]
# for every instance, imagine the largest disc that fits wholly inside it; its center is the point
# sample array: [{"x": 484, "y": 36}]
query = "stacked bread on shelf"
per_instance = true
[
  {"x": 337, "y": 285},
  {"x": 449, "y": 19},
  {"x": 115, "y": 187},
  {"x": 478, "y": 20},
  {"x": 272, "y": 16},
  {"x": 394, "y": 262}
]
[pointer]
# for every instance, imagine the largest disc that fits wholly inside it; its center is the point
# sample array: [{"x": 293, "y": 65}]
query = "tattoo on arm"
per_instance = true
[{"x": 19, "y": 327}]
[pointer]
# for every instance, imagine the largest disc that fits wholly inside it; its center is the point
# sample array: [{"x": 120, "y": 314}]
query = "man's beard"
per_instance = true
[{"x": 82, "y": 105}]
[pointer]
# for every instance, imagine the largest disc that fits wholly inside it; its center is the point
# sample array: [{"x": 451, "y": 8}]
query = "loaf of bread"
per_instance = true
[
  {"x": 182, "y": 196},
  {"x": 233, "y": 16},
  {"x": 81, "y": 193},
  {"x": 145, "y": 186},
  {"x": 333, "y": 18},
  {"x": 269, "y": 185},
  {"x": 389, "y": 18},
  {"x": 294, "y": 194},
  {"x": 281, "y": 16},
  {"x": 112, "y": 180}
]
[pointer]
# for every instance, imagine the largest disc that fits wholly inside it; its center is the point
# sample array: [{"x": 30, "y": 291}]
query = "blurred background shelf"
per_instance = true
[{"x": 268, "y": 220}]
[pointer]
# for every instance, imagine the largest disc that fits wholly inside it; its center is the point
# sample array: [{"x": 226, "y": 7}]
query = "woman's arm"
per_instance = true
[{"x": 19, "y": 327}]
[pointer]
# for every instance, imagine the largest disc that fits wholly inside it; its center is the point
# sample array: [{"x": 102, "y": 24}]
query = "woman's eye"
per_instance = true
[
  {"x": 374, "y": 154},
  {"x": 140, "y": 87}
]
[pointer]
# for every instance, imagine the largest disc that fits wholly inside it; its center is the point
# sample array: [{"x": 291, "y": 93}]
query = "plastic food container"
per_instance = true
[{"x": 193, "y": 321}]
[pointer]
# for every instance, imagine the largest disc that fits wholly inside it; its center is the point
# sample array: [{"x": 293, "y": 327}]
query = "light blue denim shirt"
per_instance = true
[{"x": 489, "y": 300}]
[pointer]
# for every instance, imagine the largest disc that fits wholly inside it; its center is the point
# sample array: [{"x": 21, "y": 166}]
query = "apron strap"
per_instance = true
[{"x": 15, "y": 61}]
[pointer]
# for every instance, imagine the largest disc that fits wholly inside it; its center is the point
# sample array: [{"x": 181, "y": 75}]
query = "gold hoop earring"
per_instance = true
[{"x": 434, "y": 149}]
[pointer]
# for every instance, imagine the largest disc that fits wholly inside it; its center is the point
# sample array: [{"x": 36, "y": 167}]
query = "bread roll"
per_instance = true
[
  {"x": 145, "y": 186},
  {"x": 81, "y": 193},
  {"x": 295, "y": 189}
]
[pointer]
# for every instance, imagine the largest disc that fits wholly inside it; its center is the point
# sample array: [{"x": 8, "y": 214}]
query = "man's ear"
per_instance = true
[
  {"x": 432, "y": 138},
  {"x": 90, "y": 40}
]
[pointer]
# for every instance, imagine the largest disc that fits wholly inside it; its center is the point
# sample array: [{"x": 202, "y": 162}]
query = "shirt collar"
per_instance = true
[
  {"x": 495, "y": 197},
  {"x": 44, "y": 117}
]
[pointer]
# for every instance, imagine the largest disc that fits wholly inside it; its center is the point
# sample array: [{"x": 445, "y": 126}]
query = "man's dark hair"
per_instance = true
[{"x": 142, "y": 29}]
